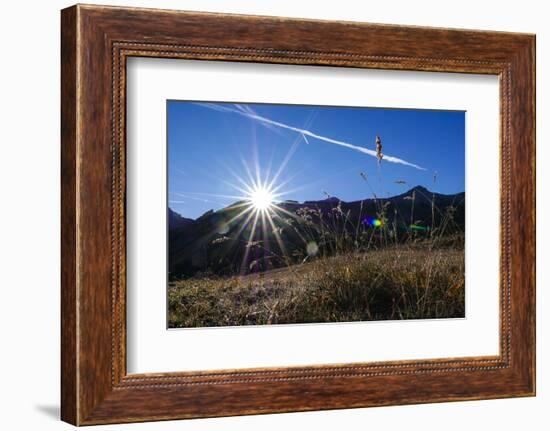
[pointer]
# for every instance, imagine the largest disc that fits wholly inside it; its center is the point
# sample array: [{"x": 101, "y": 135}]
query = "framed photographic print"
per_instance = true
[
  {"x": 281, "y": 246},
  {"x": 317, "y": 215}
]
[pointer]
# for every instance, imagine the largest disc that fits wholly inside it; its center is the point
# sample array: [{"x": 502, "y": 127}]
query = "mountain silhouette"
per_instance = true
[
  {"x": 176, "y": 221},
  {"x": 222, "y": 242}
]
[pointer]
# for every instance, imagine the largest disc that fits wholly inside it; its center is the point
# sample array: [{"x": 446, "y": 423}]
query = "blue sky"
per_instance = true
[{"x": 211, "y": 146}]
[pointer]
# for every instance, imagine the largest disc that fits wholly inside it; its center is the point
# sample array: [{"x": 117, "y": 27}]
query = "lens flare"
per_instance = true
[
  {"x": 418, "y": 227},
  {"x": 372, "y": 221}
]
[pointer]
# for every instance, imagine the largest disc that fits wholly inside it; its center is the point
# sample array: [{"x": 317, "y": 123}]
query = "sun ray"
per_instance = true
[
  {"x": 292, "y": 149},
  {"x": 284, "y": 211},
  {"x": 239, "y": 215},
  {"x": 252, "y": 182},
  {"x": 243, "y": 225},
  {"x": 182, "y": 195},
  {"x": 250, "y": 238},
  {"x": 246, "y": 185},
  {"x": 276, "y": 233},
  {"x": 186, "y": 195},
  {"x": 293, "y": 216}
]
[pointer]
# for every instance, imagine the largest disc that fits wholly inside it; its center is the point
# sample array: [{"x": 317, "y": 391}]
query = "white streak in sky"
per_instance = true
[
  {"x": 249, "y": 112},
  {"x": 241, "y": 110}
]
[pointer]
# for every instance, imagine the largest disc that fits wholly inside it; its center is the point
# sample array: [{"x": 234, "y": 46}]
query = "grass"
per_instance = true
[
  {"x": 414, "y": 281},
  {"x": 334, "y": 266}
]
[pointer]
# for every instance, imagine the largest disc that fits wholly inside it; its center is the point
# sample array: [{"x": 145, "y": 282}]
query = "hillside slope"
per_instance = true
[{"x": 222, "y": 243}]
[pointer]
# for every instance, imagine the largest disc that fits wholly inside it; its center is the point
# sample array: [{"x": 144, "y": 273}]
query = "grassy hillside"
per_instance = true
[
  {"x": 227, "y": 242},
  {"x": 414, "y": 281}
]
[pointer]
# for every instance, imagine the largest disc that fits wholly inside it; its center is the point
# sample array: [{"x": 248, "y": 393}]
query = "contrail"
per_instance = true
[
  {"x": 248, "y": 111},
  {"x": 266, "y": 121}
]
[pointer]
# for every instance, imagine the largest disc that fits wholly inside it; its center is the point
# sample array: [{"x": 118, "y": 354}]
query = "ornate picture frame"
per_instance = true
[{"x": 96, "y": 42}]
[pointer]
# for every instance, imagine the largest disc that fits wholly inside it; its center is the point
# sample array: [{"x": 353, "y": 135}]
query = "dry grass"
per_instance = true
[{"x": 402, "y": 282}]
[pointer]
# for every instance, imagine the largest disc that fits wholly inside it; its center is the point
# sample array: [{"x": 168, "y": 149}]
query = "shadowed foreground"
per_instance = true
[{"x": 389, "y": 284}]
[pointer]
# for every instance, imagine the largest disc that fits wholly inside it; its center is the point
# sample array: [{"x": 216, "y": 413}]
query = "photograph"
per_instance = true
[
  {"x": 294, "y": 214},
  {"x": 287, "y": 212}
]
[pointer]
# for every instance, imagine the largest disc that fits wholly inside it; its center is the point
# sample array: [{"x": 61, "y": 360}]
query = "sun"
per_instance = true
[{"x": 261, "y": 198}]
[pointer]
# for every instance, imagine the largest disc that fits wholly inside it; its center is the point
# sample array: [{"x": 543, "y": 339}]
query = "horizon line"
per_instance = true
[{"x": 293, "y": 201}]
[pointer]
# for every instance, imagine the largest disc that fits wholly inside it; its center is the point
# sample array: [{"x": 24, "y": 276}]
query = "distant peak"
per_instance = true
[
  {"x": 176, "y": 220},
  {"x": 330, "y": 199},
  {"x": 420, "y": 189}
]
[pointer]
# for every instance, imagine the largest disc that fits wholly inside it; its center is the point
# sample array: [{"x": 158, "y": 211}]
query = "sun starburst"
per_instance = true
[{"x": 261, "y": 198}]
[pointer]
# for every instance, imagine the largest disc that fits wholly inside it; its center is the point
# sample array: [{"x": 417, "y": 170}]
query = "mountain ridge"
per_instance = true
[
  {"x": 228, "y": 242},
  {"x": 330, "y": 199}
]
